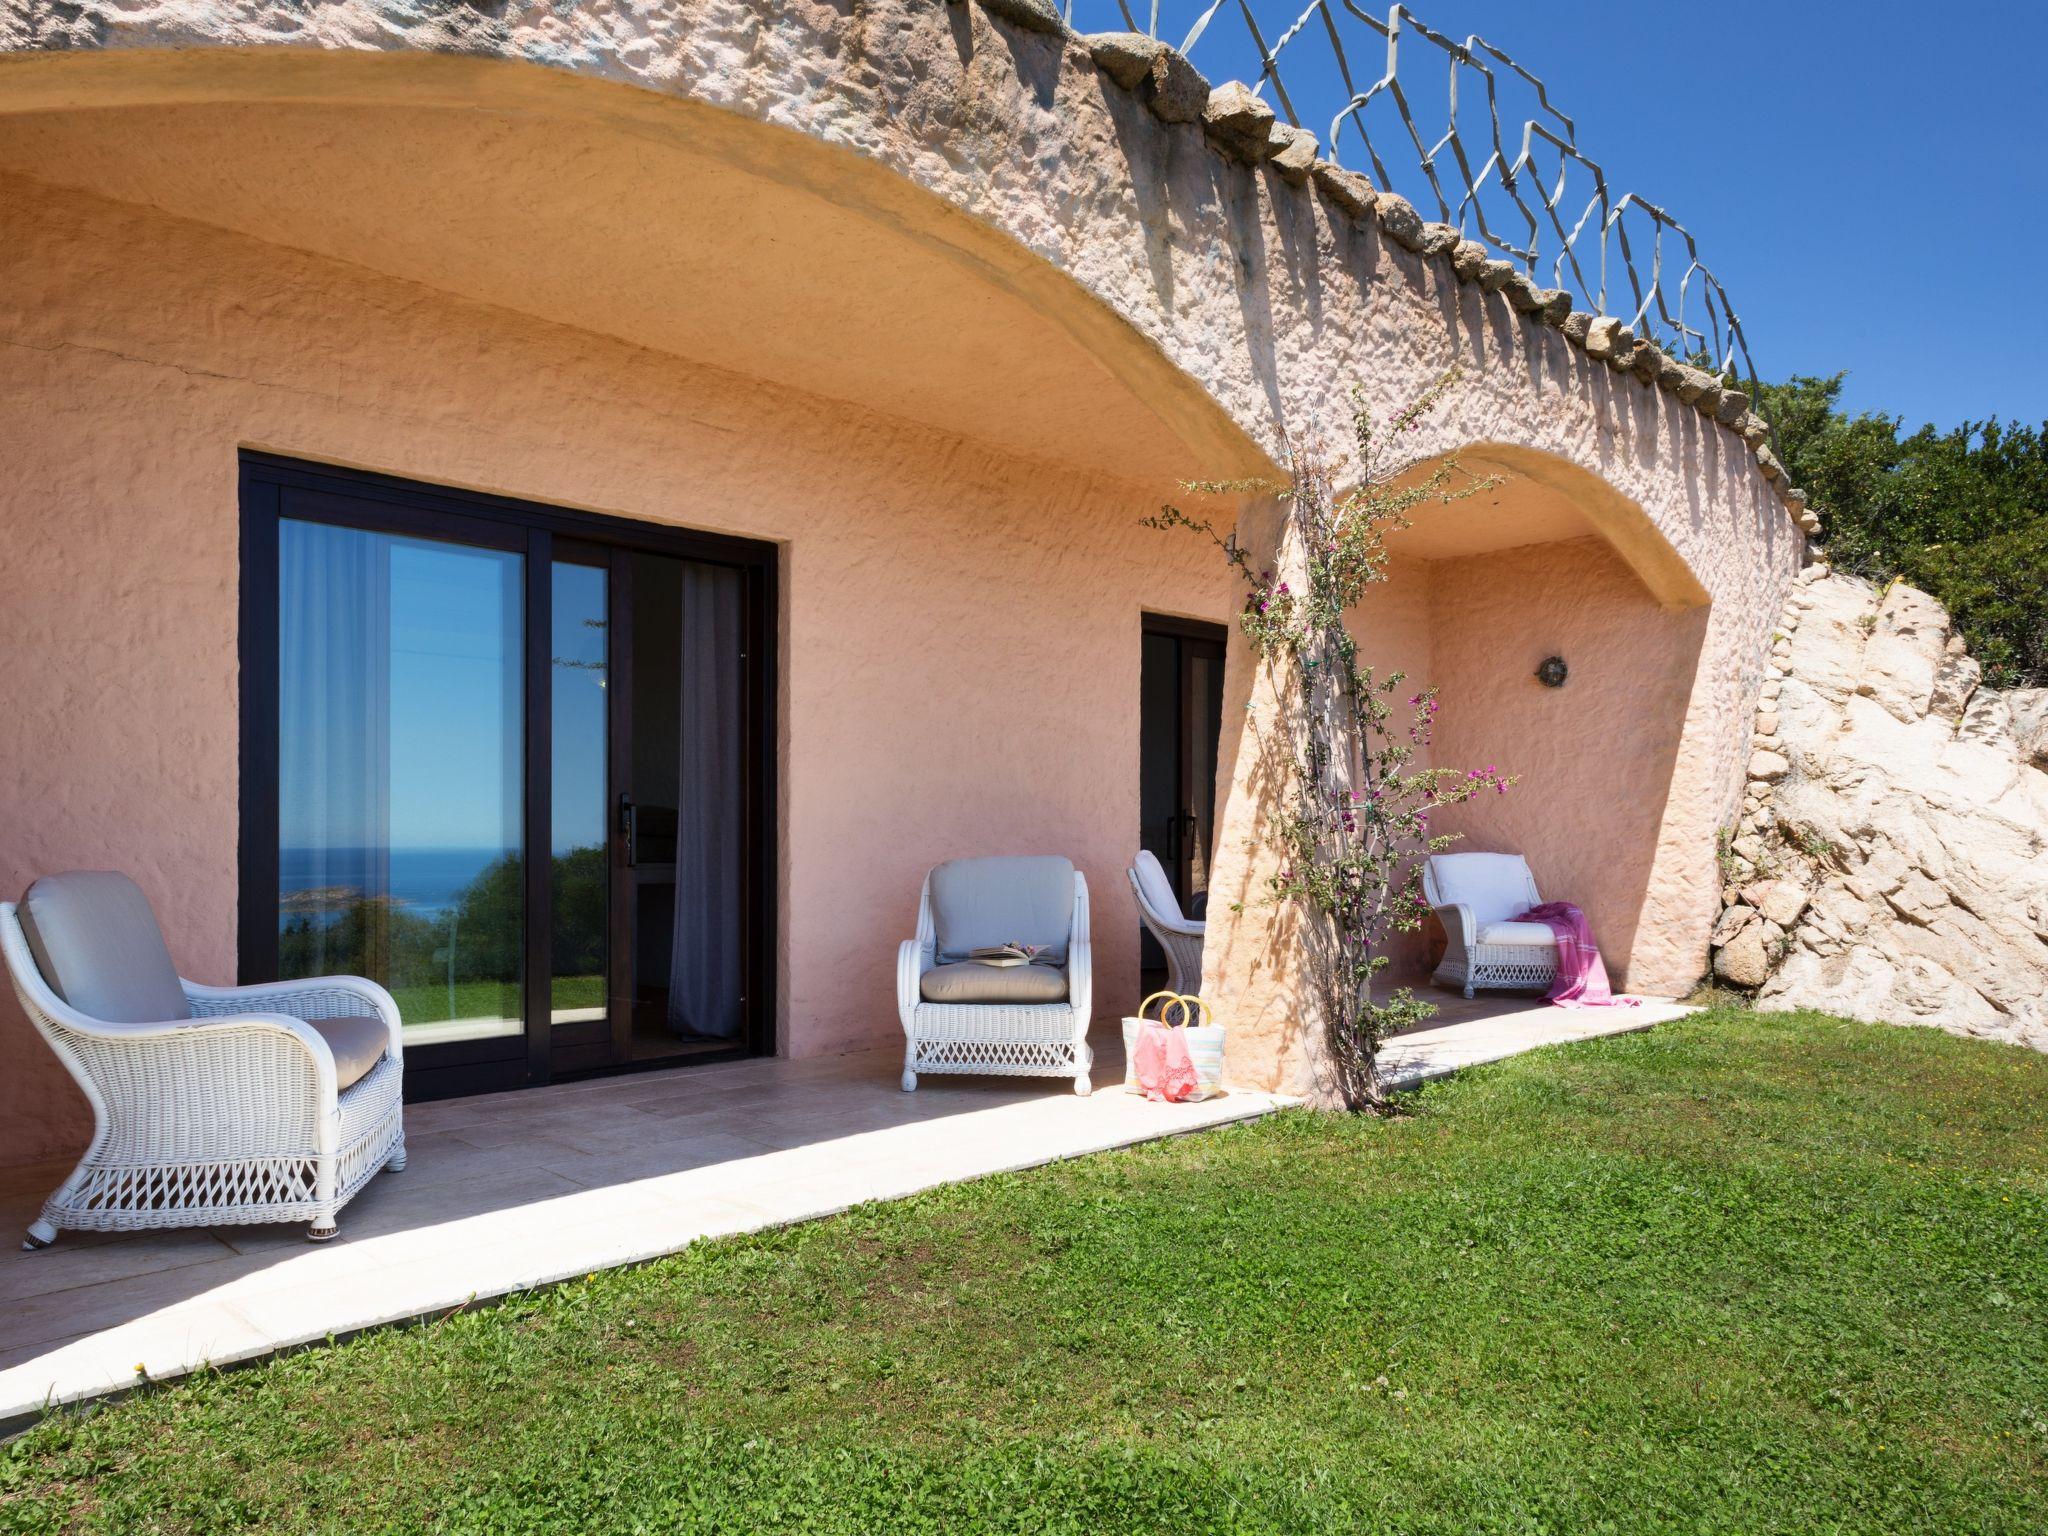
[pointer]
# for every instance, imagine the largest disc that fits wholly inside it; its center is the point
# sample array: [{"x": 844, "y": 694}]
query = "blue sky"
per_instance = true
[
  {"x": 1865, "y": 178},
  {"x": 448, "y": 620}
]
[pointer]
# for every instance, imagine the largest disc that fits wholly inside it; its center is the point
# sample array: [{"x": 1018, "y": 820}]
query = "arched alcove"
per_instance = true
[{"x": 1535, "y": 558}]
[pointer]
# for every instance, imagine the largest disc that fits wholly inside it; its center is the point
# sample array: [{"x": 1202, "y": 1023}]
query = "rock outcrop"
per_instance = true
[{"x": 1892, "y": 859}]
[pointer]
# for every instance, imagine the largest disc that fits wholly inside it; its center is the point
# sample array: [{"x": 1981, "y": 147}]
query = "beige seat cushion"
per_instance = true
[
  {"x": 968, "y": 982},
  {"x": 1156, "y": 888},
  {"x": 358, "y": 1044},
  {"x": 1518, "y": 933}
]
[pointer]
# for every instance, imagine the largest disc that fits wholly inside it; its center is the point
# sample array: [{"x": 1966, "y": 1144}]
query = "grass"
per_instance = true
[
  {"x": 1744, "y": 1273},
  {"x": 427, "y": 1002}
]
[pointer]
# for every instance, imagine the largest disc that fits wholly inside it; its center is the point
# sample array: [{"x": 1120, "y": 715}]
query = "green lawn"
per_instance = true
[
  {"x": 1742, "y": 1274},
  {"x": 427, "y": 1002}
]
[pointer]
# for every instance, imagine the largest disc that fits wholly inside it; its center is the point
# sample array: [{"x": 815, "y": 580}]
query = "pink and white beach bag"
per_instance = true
[{"x": 1204, "y": 1041}]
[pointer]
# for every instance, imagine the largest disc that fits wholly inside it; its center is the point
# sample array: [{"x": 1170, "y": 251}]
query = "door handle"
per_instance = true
[{"x": 629, "y": 829}]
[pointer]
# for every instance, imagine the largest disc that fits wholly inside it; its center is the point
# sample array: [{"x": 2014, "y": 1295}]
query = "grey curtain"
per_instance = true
[
  {"x": 705, "y": 984},
  {"x": 334, "y": 742}
]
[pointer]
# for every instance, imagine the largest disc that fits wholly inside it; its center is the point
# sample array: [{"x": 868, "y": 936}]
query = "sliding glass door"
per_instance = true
[
  {"x": 399, "y": 783},
  {"x": 509, "y": 762}
]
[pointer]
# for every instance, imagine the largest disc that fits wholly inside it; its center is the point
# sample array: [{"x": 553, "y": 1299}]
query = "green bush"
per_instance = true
[{"x": 1961, "y": 514}]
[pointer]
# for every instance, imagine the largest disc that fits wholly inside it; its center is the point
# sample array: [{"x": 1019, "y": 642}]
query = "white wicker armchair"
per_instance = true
[
  {"x": 1477, "y": 896},
  {"x": 1031, "y": 1021},
  {"x": 1180, "y": 937},
  {"x": 211, "y": 1105}
]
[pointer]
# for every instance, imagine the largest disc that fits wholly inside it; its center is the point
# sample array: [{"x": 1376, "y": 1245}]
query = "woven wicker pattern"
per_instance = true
[
  {"x": 229, "y": 1116},
  {"x": 1179, "y": 938},
  {"x": 998, "y": 1039},
  {"x": 1469, "y": 964}
]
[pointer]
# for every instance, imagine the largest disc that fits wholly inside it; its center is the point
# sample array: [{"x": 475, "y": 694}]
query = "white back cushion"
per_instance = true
[
  {"x": 1496, "y": 886},
  {"x": 1155, "y": 887},
  {"x": 97, "y": 944},
  {"x": 977, "y": 903}
]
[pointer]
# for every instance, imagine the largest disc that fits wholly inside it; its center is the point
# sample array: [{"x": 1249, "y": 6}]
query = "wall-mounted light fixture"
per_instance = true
[{"x": 1553, "y": 672}]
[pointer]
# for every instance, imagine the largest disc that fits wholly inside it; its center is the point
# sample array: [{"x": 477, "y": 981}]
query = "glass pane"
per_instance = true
[
  {"x": 582, "y": 800},
  {"x": 399, "y": 786},
  {"x": 1205, "y": 709}
]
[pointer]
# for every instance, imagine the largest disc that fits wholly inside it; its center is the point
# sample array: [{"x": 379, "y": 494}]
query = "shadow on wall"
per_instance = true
[
  {"x": 1477, "y": 597},
  {"x": 1595, "y": 757}
]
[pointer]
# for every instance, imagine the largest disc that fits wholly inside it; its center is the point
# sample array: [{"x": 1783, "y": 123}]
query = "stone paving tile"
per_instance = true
[
  {"x": 114, "y": 1303},
  {"x": 118, "y": 1256}
]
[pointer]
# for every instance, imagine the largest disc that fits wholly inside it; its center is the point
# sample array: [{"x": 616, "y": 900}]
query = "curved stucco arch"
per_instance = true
[{"x": 228, "y": 136}]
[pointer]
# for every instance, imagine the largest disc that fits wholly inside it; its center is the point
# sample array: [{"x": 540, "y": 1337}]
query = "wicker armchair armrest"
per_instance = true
[
  {"x": 225, "y": 1087},
  {"x": 1080, "y": 956},
  {"x": 312, "y": 997},
  {"x": 1158, "y": 921},
  {"x": 1459, "y": 924},
  {"x": 912, "y": 961},
  {"x": 1186, "y": 927},
  {"x": 1081, "y": 978}
]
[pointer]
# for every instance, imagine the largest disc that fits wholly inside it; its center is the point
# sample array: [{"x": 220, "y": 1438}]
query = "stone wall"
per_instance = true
[{"x": 1892, "y": 859}]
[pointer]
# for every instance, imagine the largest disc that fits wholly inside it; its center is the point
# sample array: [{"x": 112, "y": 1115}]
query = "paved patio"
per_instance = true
[{"x": 515, "y": 1190}]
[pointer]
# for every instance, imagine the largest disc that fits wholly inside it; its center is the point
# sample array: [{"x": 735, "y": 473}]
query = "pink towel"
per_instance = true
[
  {"x": 1164, "y": 1069},
  {"x": 1581, "y": 980}
]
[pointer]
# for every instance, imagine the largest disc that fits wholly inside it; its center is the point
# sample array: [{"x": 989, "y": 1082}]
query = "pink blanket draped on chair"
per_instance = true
[{"x": 1581, "y": 980}]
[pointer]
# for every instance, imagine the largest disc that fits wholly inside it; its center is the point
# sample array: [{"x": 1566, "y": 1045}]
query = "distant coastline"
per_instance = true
[{"x": 425, "y": 881}]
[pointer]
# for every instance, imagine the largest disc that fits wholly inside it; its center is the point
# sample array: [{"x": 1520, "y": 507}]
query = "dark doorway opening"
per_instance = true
[{"x": 1180, "y": 719}]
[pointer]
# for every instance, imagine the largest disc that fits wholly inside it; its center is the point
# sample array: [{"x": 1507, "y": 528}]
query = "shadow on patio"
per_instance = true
[{"x": 518, "y": 1189}]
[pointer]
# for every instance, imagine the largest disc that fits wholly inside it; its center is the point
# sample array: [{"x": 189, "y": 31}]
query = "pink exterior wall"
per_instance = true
[
  {"x": 1395, "y": 627},
  {"x": 914, "y": 564},
  {"x": 1597, "y": 762},
  {"x": 1596, "y": 758}
]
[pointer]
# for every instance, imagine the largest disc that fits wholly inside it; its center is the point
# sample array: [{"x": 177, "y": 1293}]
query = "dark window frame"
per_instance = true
[{"x": 392, "y": 504}]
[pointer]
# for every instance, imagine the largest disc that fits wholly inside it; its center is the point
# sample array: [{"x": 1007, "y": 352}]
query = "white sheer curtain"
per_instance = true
[
  {"x": 705, "y": 978},
  {"x": 334, "y": 724}
]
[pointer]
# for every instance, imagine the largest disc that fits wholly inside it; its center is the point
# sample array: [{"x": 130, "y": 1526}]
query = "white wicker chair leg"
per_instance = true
[
  {"x": 325, "y": 1205},
  {"x": 395, "y": 1163},
  {"x": 42, "y": 1231},
  {"x": 910, "y": 1066}
]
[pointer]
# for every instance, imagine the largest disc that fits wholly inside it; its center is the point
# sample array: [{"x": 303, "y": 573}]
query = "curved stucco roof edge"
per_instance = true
[
  {"x": 170, "y": 76},
  {"x": 1258, "y": 301}
]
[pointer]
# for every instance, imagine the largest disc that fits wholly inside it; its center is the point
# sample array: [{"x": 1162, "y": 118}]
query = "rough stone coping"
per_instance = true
[{"x": 1243, "y": 127}]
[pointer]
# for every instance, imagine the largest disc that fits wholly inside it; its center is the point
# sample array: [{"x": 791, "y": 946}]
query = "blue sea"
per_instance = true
[{"x": 427, "y": 880}]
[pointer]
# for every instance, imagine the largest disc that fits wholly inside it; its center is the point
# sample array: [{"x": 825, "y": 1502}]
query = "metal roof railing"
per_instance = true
[{"x": 1503, "y": 164}]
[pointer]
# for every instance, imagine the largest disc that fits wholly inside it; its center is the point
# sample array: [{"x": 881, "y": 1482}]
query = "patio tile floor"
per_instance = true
[{"x": 514, "y": 1190}]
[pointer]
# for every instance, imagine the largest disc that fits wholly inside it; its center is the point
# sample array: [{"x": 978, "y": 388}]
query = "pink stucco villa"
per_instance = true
[{"x": 407, "y": 411}]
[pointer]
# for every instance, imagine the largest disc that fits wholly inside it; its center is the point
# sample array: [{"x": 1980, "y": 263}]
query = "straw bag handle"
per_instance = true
[{"x": 1187, "y": 1002}]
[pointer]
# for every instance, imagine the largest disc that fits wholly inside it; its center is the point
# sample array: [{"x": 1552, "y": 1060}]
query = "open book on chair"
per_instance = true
[{"x": 1002, "y": 954}]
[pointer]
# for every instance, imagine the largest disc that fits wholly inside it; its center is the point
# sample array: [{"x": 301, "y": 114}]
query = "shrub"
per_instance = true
[{"x": 1961, "y": 514}]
